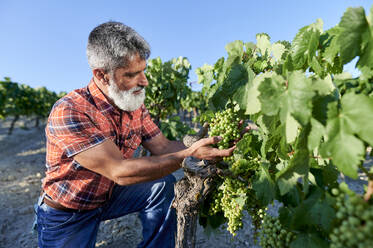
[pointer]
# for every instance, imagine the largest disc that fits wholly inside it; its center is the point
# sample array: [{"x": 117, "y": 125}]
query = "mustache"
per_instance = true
[{"x": 137, "y": 88}]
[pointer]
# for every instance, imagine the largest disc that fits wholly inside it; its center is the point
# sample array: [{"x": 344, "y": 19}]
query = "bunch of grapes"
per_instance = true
[
  {"x": 226, "y": 199},
  {"x": 354, "y": 219},
  {"x": 227, "y": 125},
  {"x": 235, "y": 193},
  {"x": 273, "y": 234},
  {"x": 246, "y": 167}
]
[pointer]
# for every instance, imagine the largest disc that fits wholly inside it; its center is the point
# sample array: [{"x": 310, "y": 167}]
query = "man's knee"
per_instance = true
[{"x": 164, "y": 187}]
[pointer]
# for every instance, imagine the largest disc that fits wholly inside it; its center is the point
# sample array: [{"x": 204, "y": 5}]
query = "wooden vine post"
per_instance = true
[{"x": 190, "y": 192}]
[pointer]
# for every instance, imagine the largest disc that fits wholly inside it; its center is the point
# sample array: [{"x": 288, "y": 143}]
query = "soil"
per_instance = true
[{"x": 22, "y": 166}]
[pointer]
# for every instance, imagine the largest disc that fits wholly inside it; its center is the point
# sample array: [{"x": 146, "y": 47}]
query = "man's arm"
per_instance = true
[
  {"x": 161, "y": 145},
  {"x": 107, "y": 160}
]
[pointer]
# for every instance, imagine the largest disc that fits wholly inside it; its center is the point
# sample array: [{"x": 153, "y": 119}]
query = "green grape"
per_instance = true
[
  {"x": 235, "y": 193},
  {"x": 226, "y": 125},
  {"x": 354, "y": 220},
  {"x": 273, "y": 234}
]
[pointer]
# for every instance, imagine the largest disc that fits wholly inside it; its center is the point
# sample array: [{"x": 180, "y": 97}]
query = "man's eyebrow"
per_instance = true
[{"x": 130, "y": 73}]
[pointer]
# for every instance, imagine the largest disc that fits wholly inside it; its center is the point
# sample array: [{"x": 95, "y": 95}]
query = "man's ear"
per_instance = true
[{"x": 101, "y": 76}]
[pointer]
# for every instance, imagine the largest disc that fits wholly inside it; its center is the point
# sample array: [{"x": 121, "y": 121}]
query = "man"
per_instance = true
[{"x": 92, "y": 134}]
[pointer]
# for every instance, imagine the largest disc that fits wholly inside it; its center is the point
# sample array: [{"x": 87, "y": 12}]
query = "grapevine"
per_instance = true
[{"x": 312, "y": 124}]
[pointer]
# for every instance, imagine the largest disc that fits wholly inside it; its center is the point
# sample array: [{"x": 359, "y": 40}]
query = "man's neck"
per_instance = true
[{"x": 104, "y": 91}]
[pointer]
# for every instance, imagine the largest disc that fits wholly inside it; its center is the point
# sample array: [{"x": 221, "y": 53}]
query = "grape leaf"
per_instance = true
[
  {"x": 317, "y": 131},
  {"x": 271, "y": 94},
  {"x": 357, "y": 111},
  {"x": 299, "y": 97},
  {"x": 308, "y": 240},
  {"x": 353, "y": 24},
  {"x": 205, "y": 75},
  {"x": 323, "y": 86},
  {"x": 322, "y": 215},
  {"x": 264, "y": 186},
  {"x": 278, "y": 50},
  {"x": 263, "y": 44},
  {"x": 235, "y": 51},
  {"x": 331, "y": 44},
  {"x": 305, "y": 44},
  {"x": 236, "y": 78},
  {"x": 345, "y": 150},
  {"x": 292, "y": 128},
  {"x": 243, "y": 94},
  {"x": 253, "y": 105}
]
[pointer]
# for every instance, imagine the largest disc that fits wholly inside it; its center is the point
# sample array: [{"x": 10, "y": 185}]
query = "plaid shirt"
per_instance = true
[{"x": 80, "y": 120}]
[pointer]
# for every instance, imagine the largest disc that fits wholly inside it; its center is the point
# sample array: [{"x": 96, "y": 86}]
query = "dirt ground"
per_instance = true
[{"x": 22, "y": 167}]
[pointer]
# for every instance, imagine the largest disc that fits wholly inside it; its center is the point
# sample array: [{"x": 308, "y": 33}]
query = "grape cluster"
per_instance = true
[
  {"x": 226, "y": 125},
  {"x": 245, "y": 166},
  {"x": 226, "y": 199},
  {"x": 273, "y": 234},
  {"x": 235, "y": 193},
  {"x": 354, "y": 219}
]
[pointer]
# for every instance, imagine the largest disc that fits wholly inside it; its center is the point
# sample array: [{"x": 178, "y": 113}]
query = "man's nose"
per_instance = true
[{"x": 143, "y": 80}]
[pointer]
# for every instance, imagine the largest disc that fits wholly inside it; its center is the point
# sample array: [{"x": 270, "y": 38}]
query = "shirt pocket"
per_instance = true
[{"x": 132, "y": 140}]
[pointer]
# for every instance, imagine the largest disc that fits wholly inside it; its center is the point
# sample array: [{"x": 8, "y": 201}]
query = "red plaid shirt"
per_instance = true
[{"x": 80, "y": 120}]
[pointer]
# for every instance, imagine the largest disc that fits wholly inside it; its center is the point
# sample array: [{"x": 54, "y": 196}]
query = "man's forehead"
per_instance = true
[{"x": 134, "y": 64}]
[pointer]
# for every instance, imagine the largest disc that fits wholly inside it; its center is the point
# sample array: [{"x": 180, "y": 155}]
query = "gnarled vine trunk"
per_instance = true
[{"x": 190, "y": 192}]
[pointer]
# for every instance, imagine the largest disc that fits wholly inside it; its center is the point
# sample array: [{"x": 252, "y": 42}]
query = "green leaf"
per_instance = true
[
  {"x": 264, "y": 186},
  {"x": 317, "y": 131},
  {"x": 236, "y": 78},
  {"x": 322, "y": 215},
  {"x": 357, "y": 111},
  {"x": 305, "y": 44},
  {"x": 243, "y": 94},
  {"x": 345, "y": 150},
  {"x": 300, "y": 94},
  {"x": 353, "y": 24},
  {"x": 278, "y": 50},
  {"x": 342, "y": 146},
  {"x": 271, "y": 94},
  {"x": 235, "y": 48},
  {"x": 205, "y": 75},
  {"x": 252, "y": 93},
  {"x": 308, "y": 240},
  {"x": 323, "y": 86},
  {"x": 291, "y": 129},
  {"x": 316, "y": 67},
  {"x": 298, "y": 166},
  {"x": 263, "y": 44},
  {"x": 235, "y": 51},
  {"x": 331, "y": 44}
]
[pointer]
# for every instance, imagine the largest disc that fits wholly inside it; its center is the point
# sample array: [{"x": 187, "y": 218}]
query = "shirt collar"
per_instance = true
[{"x": 100, "y": 99}]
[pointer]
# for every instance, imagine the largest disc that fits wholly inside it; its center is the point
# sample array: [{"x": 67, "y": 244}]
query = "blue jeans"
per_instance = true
[{"x": 79, "y": 229}]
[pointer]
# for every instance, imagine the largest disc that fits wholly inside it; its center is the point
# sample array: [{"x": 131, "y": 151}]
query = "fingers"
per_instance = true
[
  {"x": 210, "y": 140},
  {"x": 218, "y": 154}
]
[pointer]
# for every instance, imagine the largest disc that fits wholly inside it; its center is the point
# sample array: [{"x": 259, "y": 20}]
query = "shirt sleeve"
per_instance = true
[
  {"x": 149, "y": 128},
  {"x": 72, "y": 130}
]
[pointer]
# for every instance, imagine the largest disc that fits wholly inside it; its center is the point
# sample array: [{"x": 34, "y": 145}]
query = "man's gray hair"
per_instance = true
[{"x": 112, "y": 44}]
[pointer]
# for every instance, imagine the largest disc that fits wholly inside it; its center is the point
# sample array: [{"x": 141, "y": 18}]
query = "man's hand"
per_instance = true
[{"x": 202, "y": 149}]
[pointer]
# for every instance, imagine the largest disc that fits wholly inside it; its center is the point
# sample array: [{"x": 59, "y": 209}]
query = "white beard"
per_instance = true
[{"x": 125, "y": 99}]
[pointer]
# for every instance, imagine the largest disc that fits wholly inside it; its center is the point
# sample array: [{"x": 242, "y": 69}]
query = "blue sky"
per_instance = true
[{"x": 43, "y": 42}]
